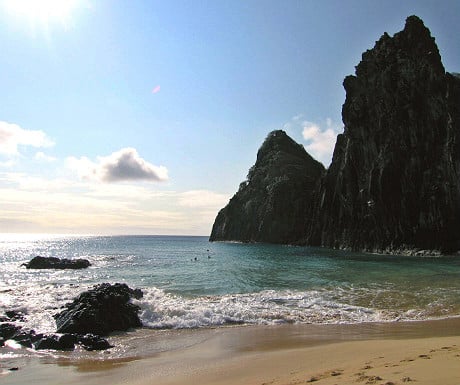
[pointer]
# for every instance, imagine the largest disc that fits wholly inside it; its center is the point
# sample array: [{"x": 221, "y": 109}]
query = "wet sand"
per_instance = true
[{"x": 390, "y": 353}]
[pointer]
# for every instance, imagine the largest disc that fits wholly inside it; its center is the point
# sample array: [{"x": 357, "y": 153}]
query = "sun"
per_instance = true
[{"x": 42, "y": 11}]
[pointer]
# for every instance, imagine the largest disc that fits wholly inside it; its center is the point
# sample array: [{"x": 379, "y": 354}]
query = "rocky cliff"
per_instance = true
[
  {"x": 271, "y": 205},
  {"x": 394, "y": 181}
]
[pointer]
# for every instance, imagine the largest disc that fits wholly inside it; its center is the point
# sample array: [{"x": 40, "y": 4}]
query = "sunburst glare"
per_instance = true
[{"x": 43, "y": 12}]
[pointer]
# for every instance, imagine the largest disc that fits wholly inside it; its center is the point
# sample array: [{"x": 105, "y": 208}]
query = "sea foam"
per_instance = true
[{"x": 162, "y": 310}]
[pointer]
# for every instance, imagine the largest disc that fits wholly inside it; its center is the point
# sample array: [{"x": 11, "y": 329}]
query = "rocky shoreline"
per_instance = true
[{"x": 95, "y": 313}]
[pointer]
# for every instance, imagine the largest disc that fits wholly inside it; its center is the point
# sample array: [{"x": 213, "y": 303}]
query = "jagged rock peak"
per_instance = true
[
  {"x": 271, "y": 205},
  {"x": 279, "y": 141},
  {"x": 417, "y": 37},
  {"x": 394, "y": 179},
  {"x": 414, "y": 42}
]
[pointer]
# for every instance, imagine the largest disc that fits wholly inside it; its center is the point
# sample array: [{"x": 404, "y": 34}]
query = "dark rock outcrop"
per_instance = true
[
  {"x": 393, "y": 184},
  {"x": 67, "y": 341},
  {"x": 394, "y": 181},
  {"x": 101, "y": 310},
  {"x": 93, "y": 342},
  {"x": 39, "y": 262},
  {"x": 12, "y": 315},
  {"x": 26, "y": 338},
  {"x": 272, "y": 204},
  {"x": 55, "y": 342},
  {"x": 8, "y": 330}
]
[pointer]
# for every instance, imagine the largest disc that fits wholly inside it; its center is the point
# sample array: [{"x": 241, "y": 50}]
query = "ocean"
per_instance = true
[{"x": 192, "y": 284}]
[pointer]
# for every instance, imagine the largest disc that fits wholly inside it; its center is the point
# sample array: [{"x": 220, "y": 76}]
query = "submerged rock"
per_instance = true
[
  {"x": 271, "y": 205},
  {"x": 104, "y": 309},
  {"x": 39, "y": 262}
]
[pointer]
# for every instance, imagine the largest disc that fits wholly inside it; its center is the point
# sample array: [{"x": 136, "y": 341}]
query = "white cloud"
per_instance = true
[
  {"x": 25, "y": 182},
  {"x": 35, "y": 203},
  {"x": 122, "y": 165},
  {"x": 41, "y": 156},
  {"x": 320, "y": 139},
  {"x": 8, "y": 163},
  {"x": 12, "y": 136}
]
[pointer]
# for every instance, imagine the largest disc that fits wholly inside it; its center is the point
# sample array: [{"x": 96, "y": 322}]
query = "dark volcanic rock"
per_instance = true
[
  {"x": 101, "y": 310},
  {"x": 22, "y": 336},
  {"x": 92, "y": 342},
  {"x": 271, "y": 206},
  {"x": 28, "y": 338},
  {"x": 68, "y": 341},
  {"x": 56, "y": 263},
  {"x": 51, "y": 342},
  {"x": 8, "y": 330},
  {"x": 394, "y": 179},
  {"x": 12, "y": 315}
]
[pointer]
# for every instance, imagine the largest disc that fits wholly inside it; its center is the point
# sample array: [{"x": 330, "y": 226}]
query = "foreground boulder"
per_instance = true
[
  {"x": 67, "y": 341},
  {"x": 55, "y": 342},
  {"x": 39, "y": 262},
  {"x": 93, "y": 342},
  {"x": 104, "y": 309}
]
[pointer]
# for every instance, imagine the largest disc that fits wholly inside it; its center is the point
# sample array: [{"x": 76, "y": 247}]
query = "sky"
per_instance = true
[{"x": 143, "y": 117}]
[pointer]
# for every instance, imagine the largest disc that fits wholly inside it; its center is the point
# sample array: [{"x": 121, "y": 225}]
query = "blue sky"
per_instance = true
[{"x": 142, "y": 117}]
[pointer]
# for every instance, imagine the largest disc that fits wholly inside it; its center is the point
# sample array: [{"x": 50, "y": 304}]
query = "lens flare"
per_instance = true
[{"x": 42, "y": 11}]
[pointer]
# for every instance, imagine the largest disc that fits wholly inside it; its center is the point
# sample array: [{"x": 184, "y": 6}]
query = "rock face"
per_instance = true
[
  {"x": 101, "y": 310},
  {"x": 56, "y": 263},
  {"x": 271, "y": 206},
  {"x": 394, "y": 180}
]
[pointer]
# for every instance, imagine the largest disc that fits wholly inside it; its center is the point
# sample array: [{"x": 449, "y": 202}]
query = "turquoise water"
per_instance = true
[{"x": 229, "y": 283}]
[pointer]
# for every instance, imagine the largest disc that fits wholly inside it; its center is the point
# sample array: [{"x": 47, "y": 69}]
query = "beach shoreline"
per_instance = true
[{"x": 380, "y": 353}]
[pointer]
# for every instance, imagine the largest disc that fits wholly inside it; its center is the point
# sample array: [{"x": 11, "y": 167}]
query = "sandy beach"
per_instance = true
[{"x": 391, "y": 353}]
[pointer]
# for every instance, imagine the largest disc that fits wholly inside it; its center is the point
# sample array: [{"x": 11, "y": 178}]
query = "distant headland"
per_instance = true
[{"x": 394, "y": 182}]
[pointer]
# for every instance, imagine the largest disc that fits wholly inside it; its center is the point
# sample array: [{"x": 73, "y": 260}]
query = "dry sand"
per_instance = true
[
  {"x": 398, "y": 353},
  {"x": 421, "y": 361}
]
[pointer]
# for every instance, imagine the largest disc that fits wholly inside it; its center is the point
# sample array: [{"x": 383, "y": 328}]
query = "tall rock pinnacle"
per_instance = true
[
  {"x": 271, "y": 206},
  {"x": 394, "y": 179}
]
